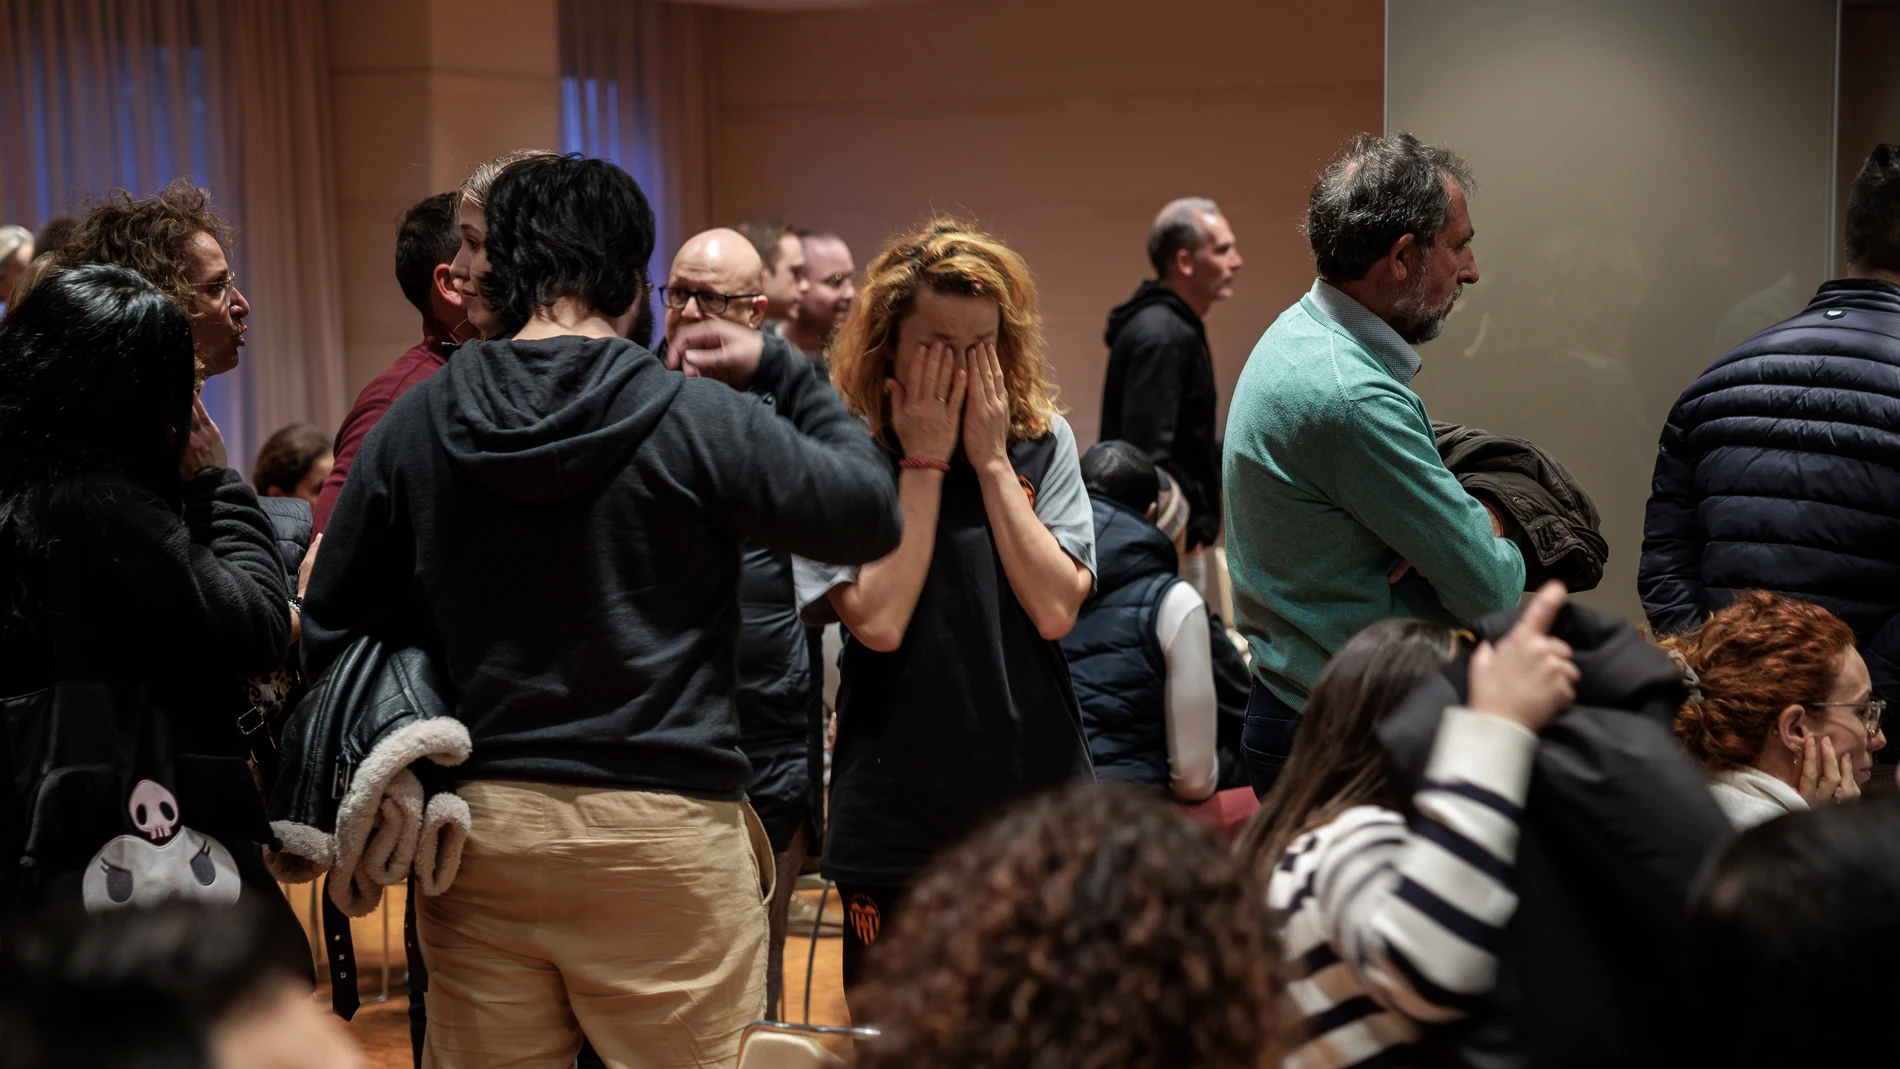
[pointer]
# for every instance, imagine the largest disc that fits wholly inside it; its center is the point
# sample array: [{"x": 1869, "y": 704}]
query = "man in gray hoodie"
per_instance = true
[{"x": 559, "y": 516}]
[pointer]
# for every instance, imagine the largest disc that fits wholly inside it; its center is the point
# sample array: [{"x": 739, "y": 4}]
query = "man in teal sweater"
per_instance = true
[{"x": 1339, "y": 511}]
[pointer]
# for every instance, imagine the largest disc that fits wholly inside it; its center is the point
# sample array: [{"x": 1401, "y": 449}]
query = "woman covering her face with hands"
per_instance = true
[{"x": 954, "y": 699}]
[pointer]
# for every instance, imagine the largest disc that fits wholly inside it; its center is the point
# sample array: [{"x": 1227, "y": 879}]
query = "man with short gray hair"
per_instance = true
[
  {"x": 1340, "y": 512},
  {"x": 1159, "y": 393}
]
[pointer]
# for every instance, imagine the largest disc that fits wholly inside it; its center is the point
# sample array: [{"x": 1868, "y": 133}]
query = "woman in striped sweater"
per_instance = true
[{"x": 1392, "y": 907}]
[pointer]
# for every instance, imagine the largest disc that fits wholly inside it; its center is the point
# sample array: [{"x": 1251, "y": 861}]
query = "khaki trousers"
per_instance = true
[{"x": 636, "y": 917}]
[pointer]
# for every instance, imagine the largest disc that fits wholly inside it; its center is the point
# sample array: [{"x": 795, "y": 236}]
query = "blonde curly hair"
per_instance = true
[{"x": 947, "y": 257}]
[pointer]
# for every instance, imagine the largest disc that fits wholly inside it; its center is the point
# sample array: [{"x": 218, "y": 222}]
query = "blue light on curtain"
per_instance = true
[
  {"x": 112, "y": 95},
  {"x": 590, "y": 125},
  {"x": 633, "y": 91}
]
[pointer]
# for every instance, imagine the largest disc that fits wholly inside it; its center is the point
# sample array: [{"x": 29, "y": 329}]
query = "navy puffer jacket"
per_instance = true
[{"x": 1780, "y": 469}]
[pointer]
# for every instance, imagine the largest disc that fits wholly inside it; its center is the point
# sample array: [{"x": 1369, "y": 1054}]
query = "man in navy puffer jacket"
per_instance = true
[{"x": 1780, "y": 466}]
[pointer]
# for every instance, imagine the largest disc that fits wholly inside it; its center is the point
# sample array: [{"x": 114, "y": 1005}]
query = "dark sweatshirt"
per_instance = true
[
  {"x": 561, "y": 520},
  {"x": 1159, "y": 396}
]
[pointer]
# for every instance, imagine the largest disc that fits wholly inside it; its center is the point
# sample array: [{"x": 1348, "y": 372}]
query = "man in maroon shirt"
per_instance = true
[{"x": 425, "y": 246}]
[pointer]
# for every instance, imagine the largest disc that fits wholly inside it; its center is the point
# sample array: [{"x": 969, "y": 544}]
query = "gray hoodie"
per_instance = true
[{"x": 561, "y": 520}]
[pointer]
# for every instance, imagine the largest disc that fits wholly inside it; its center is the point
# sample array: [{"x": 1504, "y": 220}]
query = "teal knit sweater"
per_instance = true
[{"x": 1331, "y": 477}]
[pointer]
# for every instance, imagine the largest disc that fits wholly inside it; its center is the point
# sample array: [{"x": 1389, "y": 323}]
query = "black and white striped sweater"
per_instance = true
[{"x": 1388, "y": 927}]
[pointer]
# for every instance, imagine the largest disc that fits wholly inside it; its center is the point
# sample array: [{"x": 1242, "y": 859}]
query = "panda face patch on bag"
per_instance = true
[{"x": 169, "y": 861}]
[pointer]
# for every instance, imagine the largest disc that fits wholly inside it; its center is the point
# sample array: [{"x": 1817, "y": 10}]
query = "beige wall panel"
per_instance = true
[
  {"x": 1061, "y": 126},
  {"x": 479, "y": 116},
  {"x": 420, "y": 93},
  {"x": 1653, "y": 188}
]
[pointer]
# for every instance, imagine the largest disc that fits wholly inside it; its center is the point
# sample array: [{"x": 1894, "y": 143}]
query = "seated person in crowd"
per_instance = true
[
  {"x": 174, "y": 987},
  {"x": 1791, "y": 940},
  {"x": 1139, "y": 653},
  {"x": 293, "y": 463},
  {"x": 1092, "y": 927},
  {"x": 1781, "y": 709},
  {"x": 954, "y": 700},
  {"x": 1367, "y": 965}
]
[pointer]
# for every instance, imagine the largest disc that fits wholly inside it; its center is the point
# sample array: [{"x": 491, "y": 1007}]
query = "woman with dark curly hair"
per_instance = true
[
  {"x": 1093, "y": 928},
  {"x": 1781, "y": 710},
  {"x": 178, "y": 244}
]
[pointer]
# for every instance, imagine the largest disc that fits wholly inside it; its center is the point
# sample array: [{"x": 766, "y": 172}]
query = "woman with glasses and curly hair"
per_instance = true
[
  {"x": 954, "y": 699},
  {"x": 1781, "y": 710}
]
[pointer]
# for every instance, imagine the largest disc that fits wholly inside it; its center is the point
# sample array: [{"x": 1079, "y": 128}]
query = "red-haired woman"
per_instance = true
[{"x": 1781, "y": 710}]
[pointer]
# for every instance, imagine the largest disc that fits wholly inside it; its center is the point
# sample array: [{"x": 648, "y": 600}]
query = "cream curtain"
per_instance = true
[
  {"x": 130, "y": 94},
  {"x": 636, "y": 89}
]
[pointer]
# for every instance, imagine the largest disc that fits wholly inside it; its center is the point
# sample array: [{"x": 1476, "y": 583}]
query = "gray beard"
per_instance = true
[{"x": 1416, "y": 323}]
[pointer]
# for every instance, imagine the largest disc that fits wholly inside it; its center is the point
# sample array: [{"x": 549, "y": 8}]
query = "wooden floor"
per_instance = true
[{"x": 383, "y": 1027}]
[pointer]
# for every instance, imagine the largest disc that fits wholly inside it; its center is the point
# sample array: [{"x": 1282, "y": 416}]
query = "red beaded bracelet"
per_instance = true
[{"x": 924, "y": 462}]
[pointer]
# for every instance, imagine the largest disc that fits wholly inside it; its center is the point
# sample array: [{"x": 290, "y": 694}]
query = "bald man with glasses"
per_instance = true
[
  {"x": 716, "y": 275},
  {"x": 719, "y": 274}
]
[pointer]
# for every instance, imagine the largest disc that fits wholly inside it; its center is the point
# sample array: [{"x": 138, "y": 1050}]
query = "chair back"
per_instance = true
[{"x": 780, "y": 1045}]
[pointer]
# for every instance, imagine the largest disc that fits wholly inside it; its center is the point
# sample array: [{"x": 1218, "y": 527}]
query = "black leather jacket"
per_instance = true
[{"x": 1617, "y": 823}]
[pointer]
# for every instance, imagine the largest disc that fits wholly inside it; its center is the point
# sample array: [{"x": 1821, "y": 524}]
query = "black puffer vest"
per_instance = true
[{"x": 1121, "y": 677}]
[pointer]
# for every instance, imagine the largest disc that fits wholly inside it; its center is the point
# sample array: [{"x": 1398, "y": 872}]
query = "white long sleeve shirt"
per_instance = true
[{"x": 1189, "y": 705}]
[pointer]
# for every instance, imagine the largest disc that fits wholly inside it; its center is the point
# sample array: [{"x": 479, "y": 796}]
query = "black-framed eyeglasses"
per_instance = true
[
  {"x": 1870, "y": 715},
  {"x": 713, "y": 304},
  {"x": 220, "y": 288}
]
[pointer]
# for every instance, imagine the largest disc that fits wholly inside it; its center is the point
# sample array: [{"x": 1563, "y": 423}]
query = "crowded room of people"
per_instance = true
[{"x": 949, "y": 534}]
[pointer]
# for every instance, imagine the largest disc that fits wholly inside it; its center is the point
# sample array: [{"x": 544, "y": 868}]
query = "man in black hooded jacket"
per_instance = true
[
  {"x": 1159, "y": 394},
  {"x": 558, "y": 516}
]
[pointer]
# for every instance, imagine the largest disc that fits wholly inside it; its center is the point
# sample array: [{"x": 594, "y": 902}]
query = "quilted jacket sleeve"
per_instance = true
[{"x": 1669, "y": 579}]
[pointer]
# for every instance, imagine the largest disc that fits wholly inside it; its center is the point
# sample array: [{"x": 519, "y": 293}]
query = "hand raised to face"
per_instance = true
[
  {"x": 716, "y": 349},
  {"x": 986, "y": 409},
  {"x": 927, "y": 406},
  {"x": 205, "y": 447}
]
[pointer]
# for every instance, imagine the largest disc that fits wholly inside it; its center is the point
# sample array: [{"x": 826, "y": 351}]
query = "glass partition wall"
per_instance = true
[{"x": 1655, "y": 184}]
